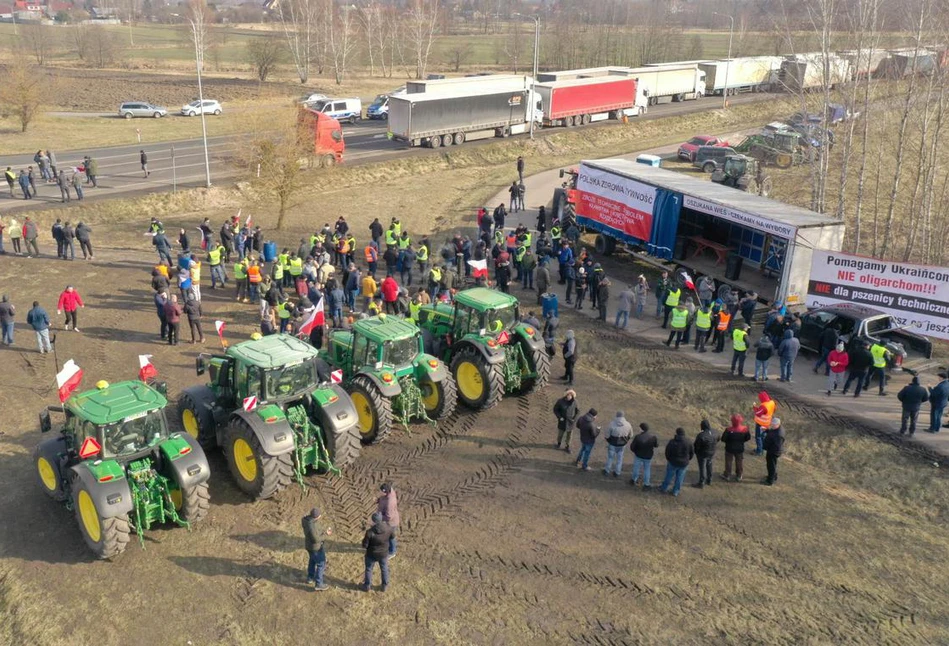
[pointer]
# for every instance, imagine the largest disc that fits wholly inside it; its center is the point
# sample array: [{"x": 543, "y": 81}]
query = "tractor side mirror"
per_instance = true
[
  {"x": 46, "y": 424},
  {"x": 561, "y": 173},
  {"x": 201, "y": 364}
]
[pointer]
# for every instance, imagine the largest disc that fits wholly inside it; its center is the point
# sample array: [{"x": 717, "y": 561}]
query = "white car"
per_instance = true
[
  {"x": 195, "y": 108},
  {"x": 308, "y": 99}
]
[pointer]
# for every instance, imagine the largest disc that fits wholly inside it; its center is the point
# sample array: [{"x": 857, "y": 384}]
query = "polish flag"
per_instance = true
[
  {"x": 688, "y": 281},
  {"x": 67, "y": 380},
  {"x": 247, "y": 221},
  {"x": 336, "y": 376},
  {"x": 204, "y": 240},
  {"x": 219, "y": 326},
  {"x": 250, "y": 403},
  {"x": 317, "y": 318},
  {"x": 147, "y": 369},
  {"x": 480, "y": 268}
]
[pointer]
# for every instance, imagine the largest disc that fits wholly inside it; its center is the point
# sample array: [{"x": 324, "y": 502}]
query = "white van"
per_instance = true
[{"x": 340, "y": 109}]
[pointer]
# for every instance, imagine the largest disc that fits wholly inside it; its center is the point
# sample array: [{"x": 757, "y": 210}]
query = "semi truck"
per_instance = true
[
  {"x": 586, "y": 73},
  {"x": 581, "y": 101},
  {"x": 327, "y": 134},
  {"x": 745, "y": 74},
  {"x": 454, "y": 86},
  {"x": 668, "y": 83},
  {"x": 805, "y": 72}
]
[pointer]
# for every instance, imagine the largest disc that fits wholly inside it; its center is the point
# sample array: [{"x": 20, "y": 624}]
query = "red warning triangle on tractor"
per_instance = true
[{"x": 89, "y": 448}]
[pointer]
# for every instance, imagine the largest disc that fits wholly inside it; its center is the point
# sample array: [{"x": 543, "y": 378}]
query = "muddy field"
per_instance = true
[{"x": 504, "y": 540}]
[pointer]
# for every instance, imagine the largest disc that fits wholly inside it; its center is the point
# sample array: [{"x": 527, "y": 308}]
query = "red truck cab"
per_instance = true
[{"x": 327, "y": 134}]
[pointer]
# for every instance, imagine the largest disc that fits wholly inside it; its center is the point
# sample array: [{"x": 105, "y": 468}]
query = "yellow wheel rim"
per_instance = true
[
  {"x": 176, "y": 498},
  {"x": 47, "y": 474},
  {"x": 364, "y": 412},
  {"x": 90, "y": 516},
  {"x": 245, "y": 460},
  {"x": 431, "y": 395},
  {"x": 469, "y": 381},
  {"x": 190, "y": 422}
]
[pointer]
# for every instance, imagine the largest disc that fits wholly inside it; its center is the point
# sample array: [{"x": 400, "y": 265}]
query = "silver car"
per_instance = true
[{"x": 131, "y": 109}]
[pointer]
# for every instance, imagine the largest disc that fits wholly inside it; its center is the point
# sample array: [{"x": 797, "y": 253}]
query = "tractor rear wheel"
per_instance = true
[
  {"x": 106, "y": 537},
  {"x": 47, "y": 467},
  {"x": 539, "y": 362},
  {"x": 196, "y": 418},
  {"x": 256, "y": 473},
  {"x": 192, "y": 504},
  {"x": 480, "y": 384},
  {"x": 342, "y": 445},
  {"x": 373, "y": 410},
  {"x": 783, "y": 160},
  {"x": 439, "y": 398}
]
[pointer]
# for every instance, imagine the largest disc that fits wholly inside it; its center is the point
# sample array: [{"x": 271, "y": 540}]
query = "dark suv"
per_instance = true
[{"x": 711, "y": 158}]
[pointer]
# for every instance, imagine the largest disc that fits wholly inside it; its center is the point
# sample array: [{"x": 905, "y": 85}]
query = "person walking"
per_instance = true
[
  {"x": 376, "y": 542},
  {"x": 673, "y": 296},
  {"x": 704, "y": 448},
  {"x": 588, "y": 434},
  {"x": 63, "y": 183},
  {"x": 388, "y": 505},
  {"x": 16, "y": 235},
  {"x": 193, "y": 310},
  {"x": 30, "y": 235},
  {"x": 880, "y": 354},
  {"x": 703, "y": 326},
  {"x": 662, "y": 287},
  {"x": 626, "y": 299},
  {"x": 173, "y": 317},
  {"x": 860, "y": 362},
  {"x": 315, "y": 531},
  {"x": 837, "y": 362},
  {"x": 828, "y": 341},
  {"x": 617, "y": 437},
  {"x": 76, "y": 182},
  {"x": 566, "y": 411},
  {"x": 56, "y": 231},
  {"x": 515, "y": 202},
  {"x": 912, "y": 397},
  {"x": 162, "y": 246},
  {"x": 38, "y": 319},
  {"x": 735, "y": 437},
  {"x": 69, "y": 302},
  {"x": 24, "y": 181},
  {"x": 774, "y": 449},
  {"x": 642, "y": 290},
  {"x": 92, "y": 171},
  {"x": 938, "y": 399},
  {"x": 643, "y": 446},
  {"x": 764, "y": 412},
  {"x": 543, "y": 280},
  {"x": 11, "y": 178},
  {"x": 787, "y": 352},
  {"x": 216, "y": 262},
  {"x": 7, "y": 315},
  {"x": 739, "y": 348},
  {"x": 520, "y": 169},
  {"x": 679, "y": 453},
  {"x": 143, "y": 158},
  {"x": 161, "y": 299},
  {"x": 764, "y": 350},
  {"x": 603, "y": 296},
  {"x": 390, "y": 294},
  {"x": 570, "y": 352},
  {"x": 69, "y": 237}
]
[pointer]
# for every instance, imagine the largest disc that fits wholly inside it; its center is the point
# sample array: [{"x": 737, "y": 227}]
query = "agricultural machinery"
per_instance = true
[
  {"x": 781, "y": 148},
  {"x": 745, "y": 174}
]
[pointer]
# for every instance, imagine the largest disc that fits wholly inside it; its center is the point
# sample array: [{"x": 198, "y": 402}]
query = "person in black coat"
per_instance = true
[
  {"x": 773, "y": 449},
  {"x": 679, "y": 453},
  {"x": 860, "y": 362},
  {"x": 828, "y": 341},
  {"x": 566, "y": 412},
  {"x": 644, "y": 446},
  {"x": 912, "y": 397},
  {"x": 705, "y": 443},
  {"x": 588, "y": 433},
  {"x": 376, "y": 542}
]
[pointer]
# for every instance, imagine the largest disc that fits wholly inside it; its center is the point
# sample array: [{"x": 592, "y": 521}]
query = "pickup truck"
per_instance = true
[{"x": 868, "y": 324}]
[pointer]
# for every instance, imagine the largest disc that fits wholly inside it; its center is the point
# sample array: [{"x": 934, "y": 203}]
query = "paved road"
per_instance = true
[{"x": 120, "y": 173}]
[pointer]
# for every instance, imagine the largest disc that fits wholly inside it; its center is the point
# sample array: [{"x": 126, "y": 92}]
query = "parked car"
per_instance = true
[
  {"x": 195, "y": 108},
  {"x": 340, "y": 109},
  {"x": 855, "y": 322},
  {"x": 308, "y": 99},
  {"x": 711, "y": 158},
  {"x": 687, "y": 150},
  {"x": 131, "y": 109}
]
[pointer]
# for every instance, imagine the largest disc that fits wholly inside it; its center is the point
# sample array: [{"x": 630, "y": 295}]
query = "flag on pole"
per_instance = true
[
  {"x": 204, "y": 238},
  {"x": 67, "y": 380},
  {"x": 147, "y": 369},
  {"x": 247, "y": 221},
  {"x": 219, "y": 326},
  {"x": 688, "y": 280},
  {"x": 480, "y": 268},
  {"x": 316, "y": 319}
]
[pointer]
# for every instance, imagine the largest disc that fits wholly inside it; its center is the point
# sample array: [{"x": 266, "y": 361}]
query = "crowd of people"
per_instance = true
[{"x": 48, "y": 172}]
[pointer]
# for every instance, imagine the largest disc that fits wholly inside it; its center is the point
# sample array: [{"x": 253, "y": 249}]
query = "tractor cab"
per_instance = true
[
  {"x": 385, "y": 342},
  {"x": 786, "y": 142},
  {"x": 485, "y": 312}
]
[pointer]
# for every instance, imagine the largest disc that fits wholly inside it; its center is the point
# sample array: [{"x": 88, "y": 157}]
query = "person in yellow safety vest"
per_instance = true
[
  {"x": 434, "y": 281},
  {"x": 703, "y": 326},
  {"x": 284, "y": 260},
  {"x": 739, "y": 347},
  {"x": 880, "y": 355},
  {"x": 283, "y": 314},
  {"x": 216, "y": 260},
  {"x": 680, "y": 320},
  {"x": 276, "y": 272},
  {"x": 555, "y": 236},
  {"x": 351, "y": 254},
  {"x": 764, "y": 413},
  {"x": 498, "y": 236},
  {"x": 415, "y": 306},
  {"x": 296, "y": 266},
  {"x": 396, "y": 226},
  {"x": 254, "y": 278},
  {"x": 196, "y": 278},
  {"x": 404, "y": 240},
  {"x": 391, "y": 236},
  {"x": 672, "y": 299},
  {"x": 240, "y": 276},
  {"x": 526, "y": 242},
  {"x": 375, "y": 307},
  {"x": 421, "y": 256}
]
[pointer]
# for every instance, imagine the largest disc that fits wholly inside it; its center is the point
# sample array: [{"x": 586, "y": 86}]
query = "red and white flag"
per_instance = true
[
  {"x": 204, "y": 239},
  {"x": 219, "y": 326},
  {"x": 67, "y": 380},
  {"x": 247, "y": 221},
  {"x": 316, "y": 319},
  {"x": 480, "y": 268},
  {"x": 250, "y": 403},
  {"x": 688, "y": 281},
  {"x": 336, "y": 376},
  {"x": 147, "y": 369}
]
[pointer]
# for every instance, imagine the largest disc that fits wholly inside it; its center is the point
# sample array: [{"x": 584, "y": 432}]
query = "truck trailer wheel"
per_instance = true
[
  {"x": 256, "y": 473},
  {"x": 459, "y": 138},
  {"x": 106, "y": 537},
  {"x": 605, "y": 245},
  {"x": 586, "y": 119},
  {"x": 327, "y": 161},
  {"x": 435, "y": 141}
]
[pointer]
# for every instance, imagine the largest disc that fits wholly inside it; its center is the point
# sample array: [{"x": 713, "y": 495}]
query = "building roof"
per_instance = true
[
  {"x": 115, "y": 402},
  {"x": 273, "y": 351},
  {"x": 716, "y": 194}
]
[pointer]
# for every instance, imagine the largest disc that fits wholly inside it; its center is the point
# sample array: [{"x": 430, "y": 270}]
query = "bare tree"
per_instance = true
[
  {"x": 300, "y": 20},
  {"x": 101, "y": 46},
  {"x": 39, "y": 41},
  {"x": 23, "y": 92},
  {"x": 342, "y": 39},
  {"x": 264, "y": 55},
  {"x": 282, "y": 154},
  {"x": 200, "y": 35},
  {"x": 513, "y": 45},
  {"x": 421, "y": 20},
  {"x": 370, "y": 17},
  {"x": 458, "y": 54}
]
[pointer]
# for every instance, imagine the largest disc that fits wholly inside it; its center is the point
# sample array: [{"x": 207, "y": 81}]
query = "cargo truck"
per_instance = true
[
  {"x": 580, "y": 101},
  {"x": 327, "y": 134},
  {"x": 471, "y": 112},
  {"x": 586, "y": 73},
  {"x": 805, "y": 72},
  {"x": 669, "y": 83},
  {"x": 746, "y": 74},
  {"x": 455, "y": 86}
]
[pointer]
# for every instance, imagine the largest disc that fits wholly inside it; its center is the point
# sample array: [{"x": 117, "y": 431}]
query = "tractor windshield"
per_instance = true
[
  {"x": 289, "y": 381},
  {"x": 507, "y": 316},
  {"x": 133, "y": 434},
  {"x": 400, "y": 353}
]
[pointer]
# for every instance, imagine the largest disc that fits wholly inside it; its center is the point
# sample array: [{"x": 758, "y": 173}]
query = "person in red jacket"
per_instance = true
[
  {"x": 69, "y": 302},
  {"x": 838, "y": 360},
  {"x": 173, "y": 317},
  {"x": 390, "y": 295}
]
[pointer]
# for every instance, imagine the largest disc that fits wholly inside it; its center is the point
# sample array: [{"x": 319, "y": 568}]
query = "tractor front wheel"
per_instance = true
[
  {"x": 196, "y": 417},
  {"x": 106, "y": 537},
  {"x": 480, "y": 384},
  {"x": 192, "y": 504},
  {"x": 256, "y": 473},
  {"x": 439, "y": 398},
  {"x": 538, "y": 361},
  {"x": 373, "y": 410},
  {"x": 46, "y": 461}
]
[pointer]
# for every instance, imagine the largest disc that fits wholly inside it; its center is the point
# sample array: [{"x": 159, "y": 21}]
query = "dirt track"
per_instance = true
[{"x": 504, "y": 540}]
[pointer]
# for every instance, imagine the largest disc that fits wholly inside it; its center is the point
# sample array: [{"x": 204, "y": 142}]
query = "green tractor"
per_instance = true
[
  {"x": 782, "y": 148},
  {"x": 389, "y": 376},
  {"x": 268, "y": 409},
  {"x": 117, "y": 466},
  {"x": 490, "y": 351},
  {"x": 744, "y": 173}
]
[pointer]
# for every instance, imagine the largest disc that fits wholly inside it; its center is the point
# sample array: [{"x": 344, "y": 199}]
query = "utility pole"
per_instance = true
[
  {"x": 199, "y": 63},
  {"x": 728, "y": 61},
  {"x": 533, "y": 100}
]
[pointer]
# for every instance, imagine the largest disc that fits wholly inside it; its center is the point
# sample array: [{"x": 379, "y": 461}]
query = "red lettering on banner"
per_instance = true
[{"x": 616, "y": 215}]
